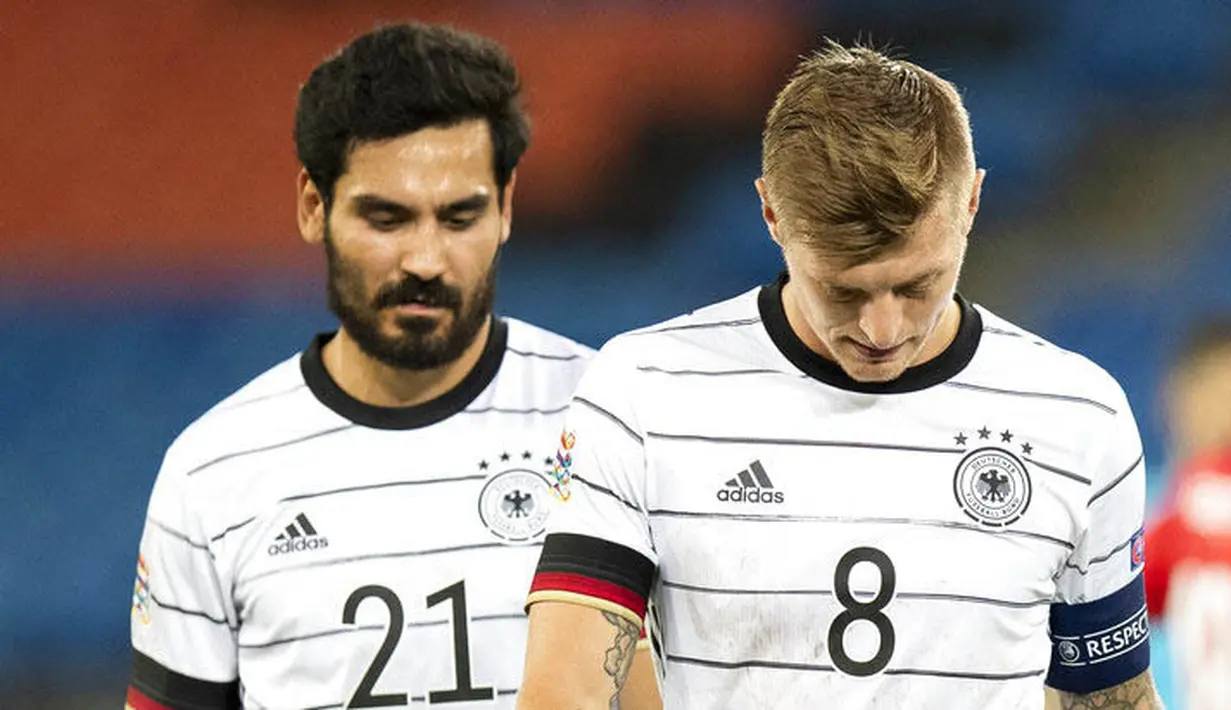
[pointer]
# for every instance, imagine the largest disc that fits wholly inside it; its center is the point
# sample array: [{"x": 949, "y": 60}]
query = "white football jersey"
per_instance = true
[
  {"x": 806, "y": 540},
  {"x": 305, "y": 550}
]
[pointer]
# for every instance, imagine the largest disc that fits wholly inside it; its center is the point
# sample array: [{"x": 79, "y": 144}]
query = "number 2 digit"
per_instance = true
[{"x": 363, "y": 697}]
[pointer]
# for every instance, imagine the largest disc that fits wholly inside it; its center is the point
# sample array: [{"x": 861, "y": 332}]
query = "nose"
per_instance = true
[
  {"x": 424, "y": 251},
  {"x": 881, "y": 320}
]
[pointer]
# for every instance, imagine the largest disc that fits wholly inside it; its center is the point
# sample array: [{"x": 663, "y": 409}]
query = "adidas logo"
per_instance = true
[
  {"x": 752, "y": 485},
  {"x": 299, "y": 536}
]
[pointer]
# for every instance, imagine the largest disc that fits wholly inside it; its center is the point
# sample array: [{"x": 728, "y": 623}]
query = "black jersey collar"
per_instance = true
[
  {"x": 933, "y": 372},
  {"x": 419, "y": 415}
]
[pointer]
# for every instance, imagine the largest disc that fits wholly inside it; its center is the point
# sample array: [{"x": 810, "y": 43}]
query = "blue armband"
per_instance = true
[{"x": 1102, "y": 643}]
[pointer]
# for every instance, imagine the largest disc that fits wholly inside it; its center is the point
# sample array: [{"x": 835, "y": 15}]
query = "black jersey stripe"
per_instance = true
[
  {"x": 965, "y": 675},
  {"x": 232, "y": 529},
  {"x": 386, "y": 484},
  {"x": 260, "y": 398},
  {"x": 848, "y": 519},
  {"x": 717, "y": 373},
  {"x": 544, "y": 356},
  {"x": 191, "y": 612},
  {"x": 352, "y": 489},
  {"x": 700, "y": 326},
  {"x": 511, "y": 410},
  {"x": 520, "y": 616},
  {"x": 1028, "y": 393},
  {"x": 801, "y": 442},
  {"x": 382, "y": 556},
  {"x": 1058, "y": 471},
  {"x": 311, "y": 636},
  {"x": 182, "y": 537},
  {"x": 606, "y": 491},
  {"x": 925, "y": 596},
  {"x": 270, "y": 447},
  {"x": 841, "y": 445},
  {"x": 1117, "y": 480},
  {"x": 1001, "y": 331},
  {"x": 167, "y": 687},
  {"x": 824, "y": 668},
  {"x": 375, "y": 627},
  {"x": 739, "y": 665},
  {"x": 499, "y": 692},
  {"x": 1100, "y": 559},
  {"x": 627, "y": 429}
]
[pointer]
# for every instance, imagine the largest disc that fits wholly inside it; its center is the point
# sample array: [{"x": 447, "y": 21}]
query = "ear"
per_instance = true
[
  {"x": 506, "y": 208},
  {"x": 972, "y": 208},
  {"x": 310, "y": 209},
  {"x": 767, "y": 211}
]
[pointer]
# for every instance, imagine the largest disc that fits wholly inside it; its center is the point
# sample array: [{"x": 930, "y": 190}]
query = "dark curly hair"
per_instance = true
[{"x": 400, "y": 79}]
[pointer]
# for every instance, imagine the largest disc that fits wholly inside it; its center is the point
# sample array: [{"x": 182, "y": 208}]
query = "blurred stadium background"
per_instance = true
[{"x": 150, "y": 262}]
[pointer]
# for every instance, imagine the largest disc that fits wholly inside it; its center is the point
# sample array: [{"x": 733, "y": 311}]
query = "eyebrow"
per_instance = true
[
  {"x": 474, "y": 203},
  {"x": 920, "y": 280},
  {"x": 366, "y": 204}
]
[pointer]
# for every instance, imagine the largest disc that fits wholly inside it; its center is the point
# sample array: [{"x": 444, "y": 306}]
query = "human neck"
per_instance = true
[{"x": 373, "y": 382}]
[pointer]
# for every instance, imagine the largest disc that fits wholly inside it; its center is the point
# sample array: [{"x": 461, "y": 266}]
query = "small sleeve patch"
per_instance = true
[{"x": 1138, "y": 548}]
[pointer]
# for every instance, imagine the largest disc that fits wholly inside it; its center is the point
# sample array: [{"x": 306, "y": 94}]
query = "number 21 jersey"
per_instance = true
[{"x": 304, "y": 550}]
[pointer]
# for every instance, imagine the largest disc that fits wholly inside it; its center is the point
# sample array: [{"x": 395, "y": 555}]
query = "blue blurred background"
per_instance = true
[{"x": 151, "y": 263}]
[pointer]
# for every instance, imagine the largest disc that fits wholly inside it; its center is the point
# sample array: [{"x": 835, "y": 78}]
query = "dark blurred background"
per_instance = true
[{"x": 150, "y": 263}]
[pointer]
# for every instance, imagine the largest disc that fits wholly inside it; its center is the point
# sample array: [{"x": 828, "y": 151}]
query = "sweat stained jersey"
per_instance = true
[
  {"x": 952, "y": 539},
  {"x": 305, "y": 550}
]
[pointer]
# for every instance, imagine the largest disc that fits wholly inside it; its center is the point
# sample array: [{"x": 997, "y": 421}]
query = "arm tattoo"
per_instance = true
[
  {"x": 619, "y": 657},
  {"x": 1135, "y": 694}
]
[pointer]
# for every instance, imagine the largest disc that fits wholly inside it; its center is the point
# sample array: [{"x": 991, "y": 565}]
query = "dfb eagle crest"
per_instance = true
[{"x": 992, "y": 486}]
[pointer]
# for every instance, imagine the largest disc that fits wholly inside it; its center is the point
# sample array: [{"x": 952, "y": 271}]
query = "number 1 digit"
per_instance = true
[{"x": 461, "y": 649}]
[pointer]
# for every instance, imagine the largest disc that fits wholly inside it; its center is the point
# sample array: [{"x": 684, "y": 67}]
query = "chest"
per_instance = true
[
  {"x": 793, "y": 509},
  {"x": 385, "y": 557}
]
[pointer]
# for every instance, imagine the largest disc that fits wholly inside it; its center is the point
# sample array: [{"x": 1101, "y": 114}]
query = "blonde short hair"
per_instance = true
[{"x": 858, "y": 147}]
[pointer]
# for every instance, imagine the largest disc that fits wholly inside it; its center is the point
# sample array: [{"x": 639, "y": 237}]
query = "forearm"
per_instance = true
[
  {"x": 640, "y": 691},
  {"x": 576, "y": 658},
  {"x": 1135, "y": 694}
]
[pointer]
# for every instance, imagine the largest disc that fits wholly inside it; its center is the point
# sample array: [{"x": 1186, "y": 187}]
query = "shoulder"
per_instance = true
[
  {"x": 721, "y": 336},
  {"x": 247, "y": 418},
  {"x": 550, "y": 362},
  {"x": 716, "y": 330},
  {"x": 531, "y": 341},
  {"x": 1016, "y": 358}
]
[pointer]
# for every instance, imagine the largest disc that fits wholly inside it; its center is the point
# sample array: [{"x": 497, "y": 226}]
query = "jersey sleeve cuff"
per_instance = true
[
  {"x": 1102, "y": 643},
  {"x": 592, "y": 572},
  {"x": 156, "y": 687}
]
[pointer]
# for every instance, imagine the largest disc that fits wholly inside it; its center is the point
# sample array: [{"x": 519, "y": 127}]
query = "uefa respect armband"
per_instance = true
[{"x": 1101, "y": 643}]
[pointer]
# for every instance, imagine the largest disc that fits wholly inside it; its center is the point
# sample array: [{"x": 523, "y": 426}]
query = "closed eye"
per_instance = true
[
  {"x": 844, "y": 295},
  {"x": 912, "y": 292},
  {"x": 459, "y": 222},
  {"x": 384, "y": 221}
]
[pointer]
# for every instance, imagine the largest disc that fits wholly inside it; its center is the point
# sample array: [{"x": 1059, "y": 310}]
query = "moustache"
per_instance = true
[{"x": 412, "y": 290}]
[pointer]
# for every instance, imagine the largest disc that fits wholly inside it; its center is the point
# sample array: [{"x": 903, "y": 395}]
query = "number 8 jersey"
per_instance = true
[
  {"x": 305, "y": 550},
  {"x": 951, "y": 539}
]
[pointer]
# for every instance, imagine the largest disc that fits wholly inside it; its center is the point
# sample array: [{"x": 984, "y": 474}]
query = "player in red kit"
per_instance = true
[{"x": 1188, "y": 578}]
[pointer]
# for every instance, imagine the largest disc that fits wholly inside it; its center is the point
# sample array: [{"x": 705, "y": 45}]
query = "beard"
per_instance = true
[{"x": 422, "y": 343}]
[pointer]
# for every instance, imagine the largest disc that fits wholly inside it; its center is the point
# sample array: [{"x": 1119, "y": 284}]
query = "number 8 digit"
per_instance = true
[{"x": 855, "y": 610}]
